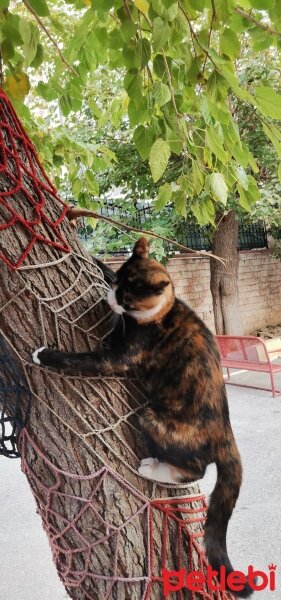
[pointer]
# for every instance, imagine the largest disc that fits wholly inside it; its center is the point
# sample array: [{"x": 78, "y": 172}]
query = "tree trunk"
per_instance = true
[
  {"x": 224, "y": 279},
  {"x": 82, "y": 445}
]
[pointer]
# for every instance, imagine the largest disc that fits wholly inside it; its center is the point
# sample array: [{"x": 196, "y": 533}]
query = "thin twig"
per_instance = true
[
  {"x": 74, "y": 213},
  {"x": 49, "y": 35},
  {"x": 257, "y": 22},
  {"x": 114, "y": 18},
  {"x": 144, "y": 16},
  {"x": 194, "y": 36},
  {"x": 170, "y": 84},
  {"x": 214, "y": 16}
]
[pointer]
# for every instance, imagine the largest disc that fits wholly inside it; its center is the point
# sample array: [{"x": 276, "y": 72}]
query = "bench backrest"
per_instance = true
[{"x": 246, "y": 348}]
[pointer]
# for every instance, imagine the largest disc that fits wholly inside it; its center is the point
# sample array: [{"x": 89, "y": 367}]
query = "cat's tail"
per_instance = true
[{"x": 221, "y": 505}]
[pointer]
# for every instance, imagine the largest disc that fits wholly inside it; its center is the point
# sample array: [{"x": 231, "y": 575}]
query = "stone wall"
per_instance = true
[{"x": 259, "y": 286}]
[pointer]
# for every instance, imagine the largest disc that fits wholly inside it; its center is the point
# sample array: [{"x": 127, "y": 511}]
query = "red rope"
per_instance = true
[
  {"x": 67, "y": 537},
  {"x": 20, "y": 166}
]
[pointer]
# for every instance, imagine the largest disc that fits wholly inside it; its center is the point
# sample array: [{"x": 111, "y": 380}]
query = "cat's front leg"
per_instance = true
[
  {"x": 70, "y": 362},
  {"x": 81, "y": 363}
]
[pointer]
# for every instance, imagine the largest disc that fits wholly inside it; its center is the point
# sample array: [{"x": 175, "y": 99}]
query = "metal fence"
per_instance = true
[{"x": 250, "y": 235}]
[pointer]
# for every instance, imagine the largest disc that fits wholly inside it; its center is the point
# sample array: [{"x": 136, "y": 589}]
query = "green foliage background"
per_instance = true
[{"x": 174, "y": 101}]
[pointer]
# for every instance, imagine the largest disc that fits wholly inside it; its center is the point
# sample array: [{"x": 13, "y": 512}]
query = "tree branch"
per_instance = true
[
  {"x": 214, "y": 16},
  {"x": 194, "y": 36},
  {"x": 170, "y": 84},
  {"x": 74, "y": 212},
  {"x": 257, "y": 22},
  {"x": 49, "y": 36}
]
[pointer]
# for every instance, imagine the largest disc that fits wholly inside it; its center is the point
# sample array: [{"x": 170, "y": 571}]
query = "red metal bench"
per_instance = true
[{"x": 247, "y": 353}]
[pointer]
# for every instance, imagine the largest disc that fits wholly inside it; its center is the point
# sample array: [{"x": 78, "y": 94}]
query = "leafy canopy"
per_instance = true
[{"x": 169, "y": 70}]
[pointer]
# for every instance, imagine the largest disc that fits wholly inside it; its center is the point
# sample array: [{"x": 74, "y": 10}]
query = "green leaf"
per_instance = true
[
  {"x": 204, "y": 107},
  {"x": 76, "y": 188},
  {"x": 198, "y": 177},
  {"x": 17, "y": 87},
  {"x": 253, "y": 164},
  {"x": 242, "y": 177},
  {"x": 93, "y": 186},
  {"x": 144, "y": 51},
  {"x": 101, "y": 5},
  {"x": 143, "y": 138},
  {"x": 253, "y": 190},
  {"x": 279, "y": 172},
  {"x": 39, "y": 57},
  {"x": 174, "y": 138},
  {"x": 95, "y": 110},
  {"x": 250, "y": 196},
  {"x": 164, "y": 196},
  {"x": 30, "y": 36},
  {"x": 167, "y": 10},
  {"x": 46, "y": 91},
  {"x": 226, "y": 70},
  {"x": 40, "y": 7},
  {"x": 138, "y": 111},
  {"x": 127, "y": 29},
  {"x": 218, "y": 187},
  {"x": 161, "y": 93},
  {"x": 243, "y": 199},
  {"x": 215, "y": 143},
  {"x": 7, "y": 50},
  {"x": 131, "y": 56},
  {"x": 133, "y": 84},
  {"x": 10, "y": 29},
  {"x": 158, "y": 158},
  {"x": 161, "y": 33},
  {"x": 229, "y": 44},
  {"x": 115, "y": 40},
  {"x": 275, "y": 137},
  {"x": 179, "y": 199},
  {"x": 65, "y": 105},
  {"x": 204, "y": 212},
  {"x": 142, "y": 5},
  {"x": 262, "y": 4},
  {"x": 269, "y": 102}
]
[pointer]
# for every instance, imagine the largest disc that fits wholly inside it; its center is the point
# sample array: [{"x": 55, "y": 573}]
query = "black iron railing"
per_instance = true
[{"x": 250, "y": 235}]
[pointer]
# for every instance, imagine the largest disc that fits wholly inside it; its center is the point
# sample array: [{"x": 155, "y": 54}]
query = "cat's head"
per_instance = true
[{"x": 143, "y": 288}]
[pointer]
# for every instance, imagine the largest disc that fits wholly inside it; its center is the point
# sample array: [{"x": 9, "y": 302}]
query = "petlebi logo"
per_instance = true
[{"x": 195, "y": 581}]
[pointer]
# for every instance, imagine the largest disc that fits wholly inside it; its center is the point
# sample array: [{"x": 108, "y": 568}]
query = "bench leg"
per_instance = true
[
  {"x": 272, "y": 384},
  {"x": 228, "y": 374}
]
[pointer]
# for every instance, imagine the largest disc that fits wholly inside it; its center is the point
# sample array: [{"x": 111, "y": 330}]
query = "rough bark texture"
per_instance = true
[
  {"x": 46, "y": 305},
  {"x": 224, "y": 279}
]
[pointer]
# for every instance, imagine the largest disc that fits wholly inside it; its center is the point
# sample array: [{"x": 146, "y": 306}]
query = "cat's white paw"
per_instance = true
[
  {"x": 152, "y": 462},
  {"x": 147, "y": 469},
  {"x": 151, "y": 468},
  {"x": 35, "y": 357}
]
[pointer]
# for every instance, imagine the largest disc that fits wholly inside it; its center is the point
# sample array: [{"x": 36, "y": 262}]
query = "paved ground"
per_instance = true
[{"x": 26, "y": 569}]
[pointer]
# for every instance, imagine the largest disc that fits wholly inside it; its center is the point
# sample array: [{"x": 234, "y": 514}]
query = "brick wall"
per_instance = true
[{"x": 259, "y": 287}]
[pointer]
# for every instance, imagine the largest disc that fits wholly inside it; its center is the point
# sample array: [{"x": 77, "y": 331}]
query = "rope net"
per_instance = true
[
  {"x": 24, "y": 183},
  {"x": 176, "y": 517},
  {"x": 111, "y": 531}
]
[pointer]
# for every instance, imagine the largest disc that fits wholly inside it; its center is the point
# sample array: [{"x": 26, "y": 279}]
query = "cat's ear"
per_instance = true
[{"x": 141, "y": 248}]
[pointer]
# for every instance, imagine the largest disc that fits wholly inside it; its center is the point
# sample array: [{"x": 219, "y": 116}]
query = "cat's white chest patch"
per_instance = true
[{"x": 111, "y": 299}]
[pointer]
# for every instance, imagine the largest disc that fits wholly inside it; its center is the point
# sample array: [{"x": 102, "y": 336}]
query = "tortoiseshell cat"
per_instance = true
[{"x": 186, "y": 424}]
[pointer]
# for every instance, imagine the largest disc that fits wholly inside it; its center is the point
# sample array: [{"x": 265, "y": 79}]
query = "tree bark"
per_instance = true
[
  {"x": 224, "y": 279},
  {"x": 75, "y": 422}
]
